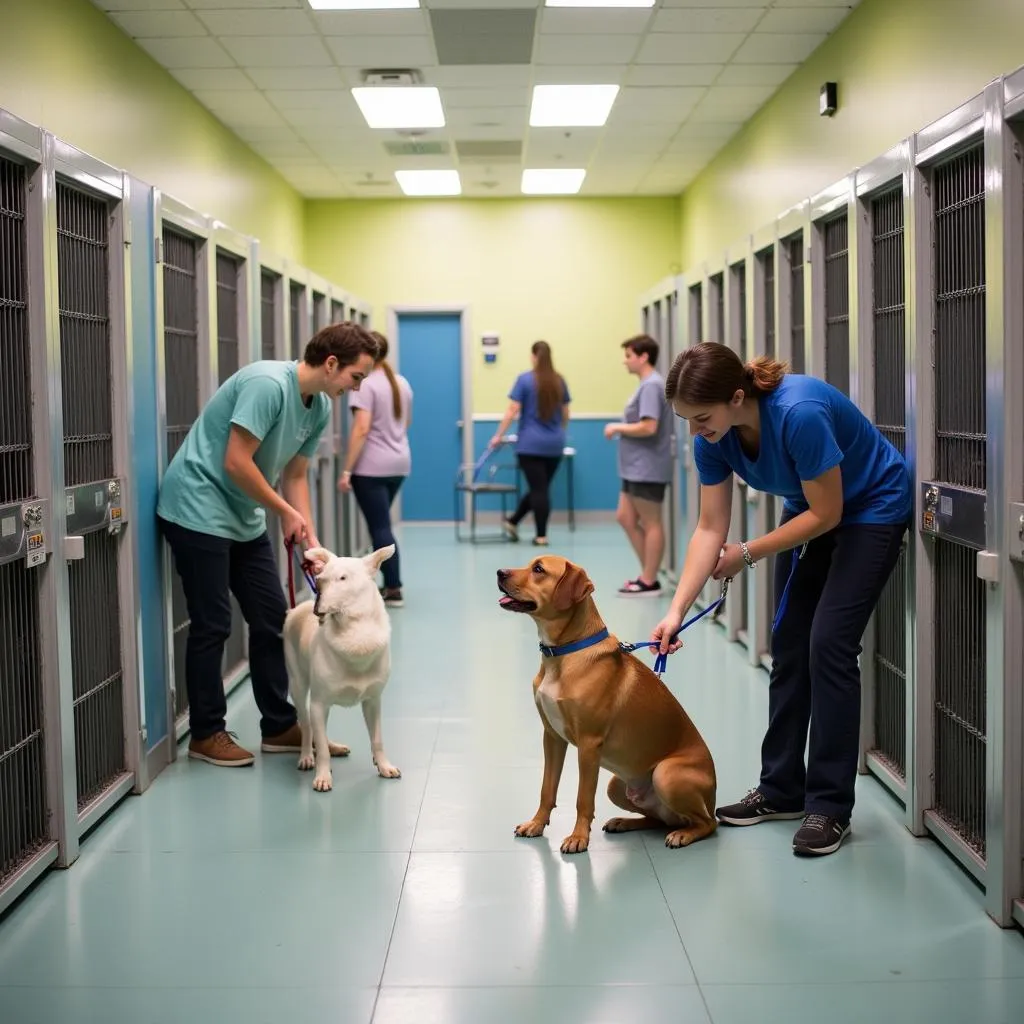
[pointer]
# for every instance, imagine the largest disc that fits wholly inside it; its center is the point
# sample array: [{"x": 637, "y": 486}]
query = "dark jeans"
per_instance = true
[
  {"x": 375, "y": 495},
  {"x": 539, "y": 471},
  {"x": 815, "y": 676},
  {"x": 211, "y": 569}
]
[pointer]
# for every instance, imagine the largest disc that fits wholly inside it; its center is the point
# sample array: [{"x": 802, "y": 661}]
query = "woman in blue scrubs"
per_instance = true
[{"x": 848, "y": 502}]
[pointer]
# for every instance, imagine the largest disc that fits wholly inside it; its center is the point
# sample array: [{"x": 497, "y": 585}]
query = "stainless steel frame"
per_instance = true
[{"x": 100, "y": 181}]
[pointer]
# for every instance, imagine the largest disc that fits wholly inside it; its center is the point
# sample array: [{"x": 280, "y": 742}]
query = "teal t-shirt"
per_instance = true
[{"x": 262, "y": 398}]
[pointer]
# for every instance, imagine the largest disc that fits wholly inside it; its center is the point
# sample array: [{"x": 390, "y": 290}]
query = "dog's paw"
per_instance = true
[
  {"x": 619, "y": 825},
  {"x": 530, "y": 829},
  {"x": 305, "y": 762},
  {"x": 386, "y": 770},
  {"x": 323, "y": 783},
  {"x": 575, "y": 843},
  {"x": 338, "y": 749}
]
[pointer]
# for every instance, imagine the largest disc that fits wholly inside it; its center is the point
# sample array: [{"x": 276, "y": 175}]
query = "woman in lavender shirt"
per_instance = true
[{"x": 378, "y": 458}]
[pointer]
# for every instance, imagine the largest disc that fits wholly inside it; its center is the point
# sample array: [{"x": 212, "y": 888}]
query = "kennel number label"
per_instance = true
[
  {"x": 36, "y": 550},
  {"x": 69, "y": 504},
  {"x": 10, "y": 524}
]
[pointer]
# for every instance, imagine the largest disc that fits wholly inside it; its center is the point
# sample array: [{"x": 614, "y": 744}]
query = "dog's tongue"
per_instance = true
[{"x": 505, "y": 600}]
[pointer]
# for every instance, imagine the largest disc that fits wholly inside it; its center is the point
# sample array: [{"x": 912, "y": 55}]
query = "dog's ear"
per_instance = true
[
  {"x": 572, "y": 588},
  {"x": 318, "y": 558},
  {"x": 374, "y": 559}
]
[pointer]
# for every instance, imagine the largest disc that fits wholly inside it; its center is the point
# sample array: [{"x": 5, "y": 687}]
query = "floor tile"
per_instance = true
[
  {"x": 252, "y": 1004},
  {"x": 597, "y": 1004},
  {"x": 871, "y": 912},
  {"x": 508, "y": 919},
  {"x": 215, "y": 919},
  {"x": 993, "y": 1001}
]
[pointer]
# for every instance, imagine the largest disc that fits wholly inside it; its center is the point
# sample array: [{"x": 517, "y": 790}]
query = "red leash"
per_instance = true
[{"x": 289, "y": 546}]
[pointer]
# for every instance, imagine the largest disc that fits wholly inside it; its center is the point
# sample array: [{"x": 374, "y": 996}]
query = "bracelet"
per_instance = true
[{"x": 746, "y": 555}]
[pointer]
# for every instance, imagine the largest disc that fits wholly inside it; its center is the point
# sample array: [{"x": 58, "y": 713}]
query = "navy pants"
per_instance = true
[
  {"x": 815, "y": 676},
  {"x": 375, "y": 496},
  {"x": 211, "y": 569}
]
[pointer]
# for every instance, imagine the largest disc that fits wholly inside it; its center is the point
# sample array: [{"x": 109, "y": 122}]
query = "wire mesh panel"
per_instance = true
[
  {"x": 739, "y": 306},
  {"x": 23, "y": 804},
  {"x": 696, "y": 314},
  {"x": 716, "y": 329},
  {"x": 337, "y": 311},
  {"x": 960, "y": 437},
  {"x": 889, "y": 338},
  {"x": 740, "y": 278},
  {"x": 268, "y": 320},
  {"x": 837, "y": 302},
  {"x": 960, "y": 668},
  {"x": 98, "y": 682},
  {"x": 768, "y": 267},
  {"x": 319, "y": 311},
  {"x": 227, "y": 315},
  {"x": 181, "y": 357},
  {"x": 795, "y": 246},
  {"x": 298, "y": 331},
  {"x": 82, "y": 260}
]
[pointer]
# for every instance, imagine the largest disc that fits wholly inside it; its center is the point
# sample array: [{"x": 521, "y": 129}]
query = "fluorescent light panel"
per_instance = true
[
  {"x": 559, "y": 181},
  {"x": 400, "y": 106},
  {"x": 571, "y": 106},
  {"x": 429, "y": 183},
  {"x": 362, "y": 5},
  {"x": 600, "y": 3}
]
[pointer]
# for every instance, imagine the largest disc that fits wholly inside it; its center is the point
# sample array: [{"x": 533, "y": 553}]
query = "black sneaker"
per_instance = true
[
  {"x": 752, "y": 809},
  {"x": 820, "y": 834}
]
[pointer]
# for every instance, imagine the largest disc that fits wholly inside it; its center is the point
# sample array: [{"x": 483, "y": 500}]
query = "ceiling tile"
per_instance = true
[
  {"x": 216, "y": 5},
  {"x": 187, "y": 53},
  {"x": 673, "y": 48},
  {"x": 573, "y": 74},
  {"x": 674, "y": 74},
  {"x": 756, "y": 74},
  {"x": 372, "y": 23},
  {"x": 729, "y": 19},
  {"x": 561, "y": 147},
  {"x": 274, "y": 52},
  {"x": 769, "y": 48},
  {"x": 157, "y": 24},
  {"x": 310, "y": 99},
  {"x": 477, "y": 98},
  {"x": 259, "y": 134},
  {"x": 298, "y": 78},
  {"x": 242, "y": 108},
  {"x": 258, "y": 23},
  {"x": 473, "y": 5},
  {"x": 720, "y": 131},
  {"x": 481, "y": 36},
  {"x": 732, "y": 102},
  {"x": 656, "y": 104},
  {"x": 589, "y": 49},
  {"x": 796, "y": 19},
  {"x": 848, "y": 4},
  {"x": 474, "y": 76},
  {"x": 195, "y": 79},
  {"x": 382, "y": 51},
  {"x": 762, "y": 4},
  {"x": 510, "y": 119},
  {"x": 594, "y": 21}
]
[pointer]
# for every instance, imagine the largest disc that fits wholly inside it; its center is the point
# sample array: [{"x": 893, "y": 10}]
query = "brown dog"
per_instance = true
[{"x": 614, "y": 710}]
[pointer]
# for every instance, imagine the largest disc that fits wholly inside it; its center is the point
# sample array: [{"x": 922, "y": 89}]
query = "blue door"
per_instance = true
[{"x": 430, "y": 358}]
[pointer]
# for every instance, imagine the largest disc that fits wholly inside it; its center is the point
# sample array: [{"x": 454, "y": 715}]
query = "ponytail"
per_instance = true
[
  {"x": 764, "y": 374},
  {"x": 382, "y": 362},
  {"x": 709, "y": 373}
]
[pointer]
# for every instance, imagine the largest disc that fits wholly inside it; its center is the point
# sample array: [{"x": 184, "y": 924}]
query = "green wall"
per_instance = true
[
  {"x": 66, "y": 67},
  {"x": 900, "y": 64},
  {"x": 569, "y": 271}
]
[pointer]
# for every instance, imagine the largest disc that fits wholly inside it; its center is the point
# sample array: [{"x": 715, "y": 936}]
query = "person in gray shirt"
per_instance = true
[{"x": 645, "y": 464}]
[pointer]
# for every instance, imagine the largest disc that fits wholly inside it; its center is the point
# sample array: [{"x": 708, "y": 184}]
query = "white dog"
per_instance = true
[{"x": 338, "y": 651}]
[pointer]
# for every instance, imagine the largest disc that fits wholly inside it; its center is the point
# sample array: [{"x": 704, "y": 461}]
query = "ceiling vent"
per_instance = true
[
  {"x": 488, "y": 151},
  {"x": 416, "y": 148},
  {"x": 392, "y": 76}
]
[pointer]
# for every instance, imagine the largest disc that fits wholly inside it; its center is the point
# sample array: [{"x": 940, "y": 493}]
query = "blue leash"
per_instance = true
[
  {"x": 798, "y": 553},
  {"x": 661, "y": 661}
]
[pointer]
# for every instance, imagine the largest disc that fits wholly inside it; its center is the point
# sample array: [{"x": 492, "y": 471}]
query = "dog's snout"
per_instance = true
[{"x": 503, "y": 574}]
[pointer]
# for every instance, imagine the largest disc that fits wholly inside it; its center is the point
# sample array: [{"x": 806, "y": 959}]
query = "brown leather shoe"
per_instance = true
[
  {"x": 220, "y": 749},
  {"x": 290, "y": 742}
]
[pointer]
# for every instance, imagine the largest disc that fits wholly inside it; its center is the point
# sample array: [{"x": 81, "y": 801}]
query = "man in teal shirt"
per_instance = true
[{"x": 262, "y": 425}]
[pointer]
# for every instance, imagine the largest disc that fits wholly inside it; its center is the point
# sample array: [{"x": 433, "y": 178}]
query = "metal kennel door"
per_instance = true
[
  {"x": 953, "y": 504},
  {"x": 24, "y": 824},
  {"x": 888, "y": 311},
  {"x": 835, "y": 233},
  {"x": 268, "y": 315},
  {"x": 767, "y": 261},
  {"x": 181, "y": 360},
  {"x": 228, "y": 362},
  {"x": 795, "y": 248},
  {"x": 94, "y": 494}
]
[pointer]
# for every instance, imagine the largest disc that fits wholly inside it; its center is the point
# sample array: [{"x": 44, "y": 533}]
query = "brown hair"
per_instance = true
[
  {"x": 382, "y": 362},
  {"x": 550, "y": 385},
  {"x": 644, "y": 345},
  {"x": 346, "y": 341},
  {"x": 710, "y": 374}
]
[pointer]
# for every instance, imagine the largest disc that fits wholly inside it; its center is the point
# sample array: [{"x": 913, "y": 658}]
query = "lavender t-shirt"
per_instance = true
[{"x": 386, "y": 449}]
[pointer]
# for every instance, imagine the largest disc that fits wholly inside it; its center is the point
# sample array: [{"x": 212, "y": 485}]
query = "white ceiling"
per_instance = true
[{"x": 278, "y": 75}]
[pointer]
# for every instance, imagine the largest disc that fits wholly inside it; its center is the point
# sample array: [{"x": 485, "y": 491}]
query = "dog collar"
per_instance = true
[{"x": 576, "y": 645}]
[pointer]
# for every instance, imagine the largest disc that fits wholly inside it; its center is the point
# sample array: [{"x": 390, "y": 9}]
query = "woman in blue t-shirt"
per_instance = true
[
  {"x": 848, "y": 502},
  {"x": 539, "y": 399}
]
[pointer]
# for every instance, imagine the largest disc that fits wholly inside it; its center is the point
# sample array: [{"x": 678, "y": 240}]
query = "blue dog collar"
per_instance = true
[{"x": 576, "y": 645}]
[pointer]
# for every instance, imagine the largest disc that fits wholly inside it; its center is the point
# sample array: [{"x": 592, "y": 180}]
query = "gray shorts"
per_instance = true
[{"x": 644, "y": 490}]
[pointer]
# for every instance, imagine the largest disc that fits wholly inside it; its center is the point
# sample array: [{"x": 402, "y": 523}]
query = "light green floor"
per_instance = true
[{"x": 240, "y": 895}]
